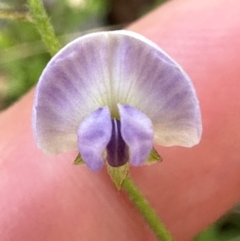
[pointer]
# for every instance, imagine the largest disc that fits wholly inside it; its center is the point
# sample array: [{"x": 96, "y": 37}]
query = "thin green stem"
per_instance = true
[
  {"x": 146, "y": 210},
  {"x": 15, "y": 15},
  {"x": 44, "y": 26}
]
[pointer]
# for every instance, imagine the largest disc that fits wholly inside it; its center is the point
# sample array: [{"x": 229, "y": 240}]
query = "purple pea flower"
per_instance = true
[{"x": 111, "y": 95}]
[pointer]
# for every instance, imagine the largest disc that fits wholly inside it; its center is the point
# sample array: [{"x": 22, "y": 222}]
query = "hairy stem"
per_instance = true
[
  {"x": 146, "y": 210},
  {"x": 44, "y": 26}
]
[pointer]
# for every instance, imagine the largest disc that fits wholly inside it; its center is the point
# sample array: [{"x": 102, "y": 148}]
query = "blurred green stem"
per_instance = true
[
  {"x": 15, "y": 15},
  {"x": 146, "y": 210},
  {"x": 44, "y": 26}
]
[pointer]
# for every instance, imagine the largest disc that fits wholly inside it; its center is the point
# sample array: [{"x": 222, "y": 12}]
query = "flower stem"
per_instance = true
[
  {"x": 15, "y": 15},
  {"x": 44, "y": 26},
  {"x": 146, "y": 210}
]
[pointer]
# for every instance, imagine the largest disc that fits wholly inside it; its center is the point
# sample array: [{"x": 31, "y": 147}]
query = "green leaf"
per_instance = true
[
  {"x": 153, "y": 157},
  {"x": 118, "y": 174},
  {"x": 78, "y": 160}
]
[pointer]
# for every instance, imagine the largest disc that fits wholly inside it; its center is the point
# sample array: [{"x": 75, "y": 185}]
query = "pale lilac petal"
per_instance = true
[
  {"x": 137, "y": 132},
  {"x": 106, "y": 68},
  {"x": 94, "y": 133}
]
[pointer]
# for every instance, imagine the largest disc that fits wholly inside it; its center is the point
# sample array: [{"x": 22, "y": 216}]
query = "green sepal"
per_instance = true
[
  {"x": 118, "y": 174},
  {"x": 78, "y": 160},
  {"x": 154, "y": 157}
]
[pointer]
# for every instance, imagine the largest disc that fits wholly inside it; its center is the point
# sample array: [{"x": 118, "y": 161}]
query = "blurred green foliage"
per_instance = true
[
  {"x": 226, "y": 229},
  {"x": 23, "y": 56},
  {"x": 16, "y": 73}
]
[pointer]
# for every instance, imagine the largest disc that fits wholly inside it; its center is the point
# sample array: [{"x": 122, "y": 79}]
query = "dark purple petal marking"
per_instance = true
[
  {"x": 94, "y": 133},
  {"x": 117, "y": 149},
  {"x": 137, "y": 132}
]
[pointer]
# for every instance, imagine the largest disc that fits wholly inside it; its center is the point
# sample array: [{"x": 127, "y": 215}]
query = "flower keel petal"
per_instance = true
[
  {"x": 117, "y": 150},
  {"x": 137, "y": 132},
  {"x": 94, "y": 133}
]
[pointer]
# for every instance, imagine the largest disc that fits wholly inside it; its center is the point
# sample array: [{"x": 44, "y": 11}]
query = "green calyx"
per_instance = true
[
  {"x": 154, "y": 157},
  {"x": 78, "y": 160},
  {"x": 118, "y": 174}
]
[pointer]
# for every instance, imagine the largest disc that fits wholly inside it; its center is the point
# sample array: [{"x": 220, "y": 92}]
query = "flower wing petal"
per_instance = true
[
  {"x": 137, "y": 132},
  {"x": 94, "y": 133}
]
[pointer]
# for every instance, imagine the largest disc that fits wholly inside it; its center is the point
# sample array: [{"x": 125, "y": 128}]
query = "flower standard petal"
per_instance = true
[
  {"x": 137, "y": 132},
  {"x": 107, "y": 68},
  {"x": 94, "y": 133}
]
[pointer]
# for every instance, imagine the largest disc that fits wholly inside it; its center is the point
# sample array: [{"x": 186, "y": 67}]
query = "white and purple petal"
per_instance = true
[{"x": 107, "y": 68}]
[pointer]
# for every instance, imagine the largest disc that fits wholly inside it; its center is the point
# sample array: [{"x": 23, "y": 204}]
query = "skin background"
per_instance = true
[{"x": 47, "y": 198}]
